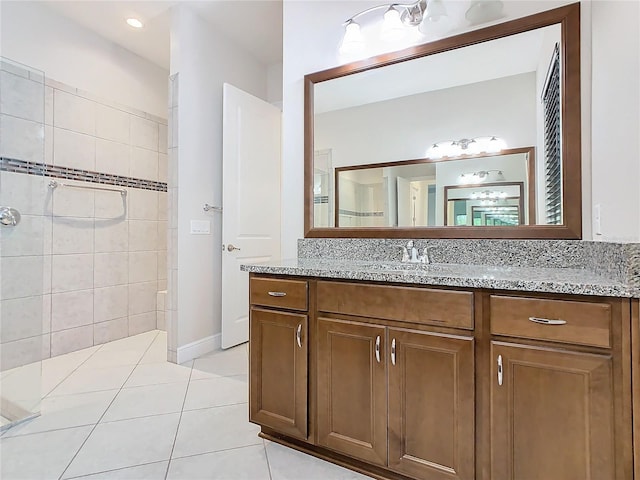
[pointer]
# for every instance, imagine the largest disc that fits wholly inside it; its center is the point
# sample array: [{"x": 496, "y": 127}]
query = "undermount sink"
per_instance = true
[{"x": 404, "y": 266}]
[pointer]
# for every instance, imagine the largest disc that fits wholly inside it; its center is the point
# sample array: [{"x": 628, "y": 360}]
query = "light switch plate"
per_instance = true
[{"x": 200, "y": 227}]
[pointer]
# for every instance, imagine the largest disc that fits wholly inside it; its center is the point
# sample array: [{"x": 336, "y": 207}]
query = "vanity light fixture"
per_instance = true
[
  {"x": 481, "y": 176},
  {"x": 466, "y": 146},
  {"x": 134, "y": 22},
  {"x": 429, "y": 16},
  {"x": 488, "y": 195}
]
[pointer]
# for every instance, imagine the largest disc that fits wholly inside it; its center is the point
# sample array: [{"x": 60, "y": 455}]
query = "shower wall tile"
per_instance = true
[
  {"x": 101, "y": 256},
  {"x": 71, "y": 272},
  {"x": 112, "y": 206},
  {"x": 72, "y": 235},
  {"x": 21, "y": 139},
  {"x": 20, "y": 318},
  {"x": 112, "y": 124},
  {"x": 142, "y": 323},
  {"x": 144, "y": 163},
  {"x": 143, "y": 204},
  {"x": 143, "y": 235},
  {"x": 66, "y": 341},
  {"x": 110, "y": 303},
  {"x": 48, "y": 145},
  {"x": 142, "y": 297},
  {"x": 72, "y": 112},
  {"x": 144, "y": 133},
  {"x": 143, "y": 267},
  {"x": 48, "y": 105},
  {"x": 26, "y": 240},
  {"x": 20, "y": 352},
  {"x": 69, "y": 202},
  {"x": 21, "y": 97},
  {"x": 25, "y": 193},
  {"x": 72, "y": 149},
  {"x": 46, "y": 313},
  {"x": 111, "y": 236},
  {"x": 163, "y": 141},
  {"x": 162, "y": 235},
  {"x": 18, "y": 274},
  {"x": 72, "y": 309},
  {"x": 112, "y": 157},
  {"x": 163, "y": 205},
  {"x": 162, "y": 167},
  {"x": 110, "y": 269},
  {"x": 110, "y": 330}
]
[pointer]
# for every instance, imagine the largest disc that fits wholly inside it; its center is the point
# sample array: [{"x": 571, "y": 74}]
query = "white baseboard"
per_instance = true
[{"x": 199, "y": 347}]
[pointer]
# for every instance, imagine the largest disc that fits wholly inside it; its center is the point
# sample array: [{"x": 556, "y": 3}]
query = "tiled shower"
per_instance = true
[{"x": 87, "y": 265}]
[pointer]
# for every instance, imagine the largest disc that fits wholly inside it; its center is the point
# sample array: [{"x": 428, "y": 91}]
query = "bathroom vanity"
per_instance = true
[{"x": 446, "y": 371}]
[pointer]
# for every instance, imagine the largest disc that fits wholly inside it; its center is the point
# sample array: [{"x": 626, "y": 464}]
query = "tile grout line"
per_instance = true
[
  {"x": 114, "y": 470},
  {"x": 175, "y": 438},
  {"x": 72, "y": 371},
  {"x": 266, "y": 456},
  {"x": 108, "y": 407}
]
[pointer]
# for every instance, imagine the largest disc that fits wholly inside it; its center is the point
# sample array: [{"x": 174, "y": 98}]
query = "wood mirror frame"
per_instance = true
[{"x": 569, "y": 19}]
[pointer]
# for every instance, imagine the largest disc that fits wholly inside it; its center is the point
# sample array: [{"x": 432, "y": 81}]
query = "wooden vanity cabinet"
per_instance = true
[
  {"x": 396, "y": 397},
  {"x": 278, "y": 356},
  {"x": 421, "y": 383},
  {"x": 558, "y": 409}
]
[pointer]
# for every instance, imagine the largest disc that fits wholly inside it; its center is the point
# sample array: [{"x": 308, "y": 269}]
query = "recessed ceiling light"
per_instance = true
[{"x": 134, "y": 22}]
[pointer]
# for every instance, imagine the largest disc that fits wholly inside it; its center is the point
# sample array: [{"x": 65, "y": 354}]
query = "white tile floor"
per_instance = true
[{"x": 121, "y": 411}]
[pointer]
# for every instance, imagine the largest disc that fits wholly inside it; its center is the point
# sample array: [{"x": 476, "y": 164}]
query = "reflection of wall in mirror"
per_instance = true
[
  {"x": 361, "y": 205},
  {"x": 404, "y": 128}
]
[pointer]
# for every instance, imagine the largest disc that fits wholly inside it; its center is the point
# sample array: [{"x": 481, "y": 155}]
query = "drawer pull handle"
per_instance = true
[
  {"x": 547, "y": 321},
  {"x": 277, "y": 294},
  {"x": 299, "y": 335},
  {"x": 378, "y": 348},
  {"x": 500, "y": 370},
  {"x": 393, "y": 351}
]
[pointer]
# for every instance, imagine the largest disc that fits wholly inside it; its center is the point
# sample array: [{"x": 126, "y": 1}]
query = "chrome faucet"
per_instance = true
[
  {"x": 425, "y": 257},
  {"x": 410, "y": 253}
]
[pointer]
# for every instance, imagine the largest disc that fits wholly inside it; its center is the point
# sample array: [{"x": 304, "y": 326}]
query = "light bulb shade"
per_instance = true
[
  {"x": 495, "y": 145},
  {"x": 434, "y": 151},
  {"x": 436, "y": 22},
  {"x": 392, "y": 27},
  {"x": 352, "y": 42}
]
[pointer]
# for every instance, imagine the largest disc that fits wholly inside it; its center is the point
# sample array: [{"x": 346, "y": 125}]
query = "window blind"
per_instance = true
[{"x": 552, "y": 142}]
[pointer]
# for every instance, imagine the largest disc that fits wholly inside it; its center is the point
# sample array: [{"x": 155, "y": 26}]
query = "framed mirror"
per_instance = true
[{"x": 478, "y": 113}]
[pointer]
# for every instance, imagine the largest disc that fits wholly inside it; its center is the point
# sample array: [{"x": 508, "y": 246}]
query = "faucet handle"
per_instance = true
[
  {"x": 410, "y": 244},
  {"x": 425, "y": 255}
]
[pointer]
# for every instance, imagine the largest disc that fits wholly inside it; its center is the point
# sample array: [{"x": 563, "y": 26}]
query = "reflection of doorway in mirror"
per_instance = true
[
  {"x": 414, "y": 203},
  {"x": 323, "y": 212}
]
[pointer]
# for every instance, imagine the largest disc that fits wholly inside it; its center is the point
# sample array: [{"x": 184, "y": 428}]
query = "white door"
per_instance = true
[
  {"x": 404, "y": 203},
  {"x": 250, "y": 199}
]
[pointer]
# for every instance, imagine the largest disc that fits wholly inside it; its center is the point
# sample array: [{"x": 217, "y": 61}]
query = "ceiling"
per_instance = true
[{"x": 260, "y": 33}]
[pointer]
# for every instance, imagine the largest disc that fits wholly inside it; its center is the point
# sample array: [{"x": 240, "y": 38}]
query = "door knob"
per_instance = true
[
  {"x": 9, "y": 216},
  {"x": 231, "y": 248}
]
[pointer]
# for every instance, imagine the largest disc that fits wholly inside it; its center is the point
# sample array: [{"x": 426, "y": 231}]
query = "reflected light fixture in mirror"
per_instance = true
[
  {"x": 466, "y": 146},
  {"x": 430, "y": 17}
]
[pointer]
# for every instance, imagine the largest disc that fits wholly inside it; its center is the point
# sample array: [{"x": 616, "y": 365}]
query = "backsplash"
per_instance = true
[{"x": 618, "y": 260}]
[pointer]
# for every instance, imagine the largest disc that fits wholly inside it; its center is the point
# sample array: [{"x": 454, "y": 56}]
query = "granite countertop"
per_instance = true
[{"x": 528, "y": 279}]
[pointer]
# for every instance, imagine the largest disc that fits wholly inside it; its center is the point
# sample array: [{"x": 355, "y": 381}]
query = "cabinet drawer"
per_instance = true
[
  {"x": 273, "y": 292},
  {"x": 418, "y": 305},
  {"x": 585, "y": 323}
]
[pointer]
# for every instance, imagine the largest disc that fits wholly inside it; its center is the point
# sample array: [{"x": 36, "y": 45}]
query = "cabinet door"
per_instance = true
[
  {"x": 553, "y": 415},
  {"x": 278, "y": 371},
  {"x": 431, "y": 405},
  {"x": 352, "y": 390}
]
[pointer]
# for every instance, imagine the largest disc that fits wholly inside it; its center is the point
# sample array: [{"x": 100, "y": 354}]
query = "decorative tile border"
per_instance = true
[
  {"x": 361, "y": 214},
  {"x": 43, "y": 169}
]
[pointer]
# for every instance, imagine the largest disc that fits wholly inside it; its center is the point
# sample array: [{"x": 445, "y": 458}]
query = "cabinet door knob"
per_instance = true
[
  {"x": 499, "y": 369},
  {"x": 547, "y": 321},
  {"x": 378, "y": 348},
  {"x": 393, "y": 351},
  {"x": 299, "y": 335}
]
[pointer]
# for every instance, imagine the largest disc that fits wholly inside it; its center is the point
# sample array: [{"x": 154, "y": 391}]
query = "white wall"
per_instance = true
[
  {"x": 204, "y": 61},
  {"x": 312, "y": 32},
  {"x": 35, "y": 35},
  {"x": 615, "y": 127},
  {"x": 404, "y": 128},
  {"x": 274, "y": 84}
]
